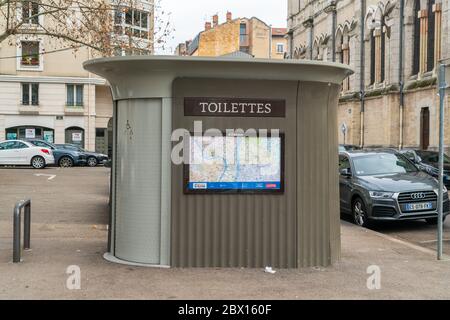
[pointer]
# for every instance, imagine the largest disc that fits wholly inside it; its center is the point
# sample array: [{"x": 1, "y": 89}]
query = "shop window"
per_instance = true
[
  {"x": 75, "y": 135},
  {"x": 30, "y": 54},
  {"x": 30, "y": 132},
  {"x": 75, "y": 95},
  {"x": 30, "y": 94},
  {"x": 30, "y": 12}
]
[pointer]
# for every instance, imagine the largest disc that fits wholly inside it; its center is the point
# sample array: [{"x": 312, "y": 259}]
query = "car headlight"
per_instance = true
[{"x": 381, "y": 194}]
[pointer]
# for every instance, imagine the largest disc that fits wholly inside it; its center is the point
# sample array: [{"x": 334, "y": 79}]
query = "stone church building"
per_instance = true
[{"x": 394, "y": 47}]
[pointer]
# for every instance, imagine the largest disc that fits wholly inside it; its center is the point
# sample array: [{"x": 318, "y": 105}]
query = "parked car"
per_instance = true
[
  {"x": 64, "y": 158},
  {"x": 92, "y": 158},
  {"x": 385, "y": 185},
  {"x": 428, "y": 161},
  {"x": 348, "y": 147},
  {"x": 18, "y": 152}
]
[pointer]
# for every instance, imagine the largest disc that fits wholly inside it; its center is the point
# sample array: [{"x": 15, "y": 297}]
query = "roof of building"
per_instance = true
[
  {"x": 238, "y": 54},
  {"x": 279, "y": 31}
]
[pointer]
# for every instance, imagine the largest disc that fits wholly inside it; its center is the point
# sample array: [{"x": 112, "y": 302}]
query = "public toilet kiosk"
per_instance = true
[{"x": 223, "y": 162}]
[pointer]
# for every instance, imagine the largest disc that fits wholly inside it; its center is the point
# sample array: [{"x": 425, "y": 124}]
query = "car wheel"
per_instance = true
[
  {"x": 360, "y": 213},
  {"x": 38, "y": 162},
  {"x": 92, "y": 162},
  {"x": 66, "y": 162}
]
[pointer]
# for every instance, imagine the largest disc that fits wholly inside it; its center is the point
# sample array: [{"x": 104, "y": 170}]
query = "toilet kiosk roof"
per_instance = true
[{"x": 152, "y": 76}]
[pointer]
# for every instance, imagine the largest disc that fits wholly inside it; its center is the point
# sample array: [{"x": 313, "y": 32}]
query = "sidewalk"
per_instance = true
[
  {"x": 68, "y": 228},
  {"x": 406, "y": 273}
]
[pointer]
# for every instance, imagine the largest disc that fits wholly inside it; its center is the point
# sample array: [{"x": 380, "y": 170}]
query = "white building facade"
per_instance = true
[{"x": 45, "y": 93}]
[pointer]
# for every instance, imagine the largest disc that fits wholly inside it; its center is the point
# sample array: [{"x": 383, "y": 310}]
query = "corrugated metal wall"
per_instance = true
[
  {"x": 317, "y": 184},
  {"x": 298, "y": 228}
]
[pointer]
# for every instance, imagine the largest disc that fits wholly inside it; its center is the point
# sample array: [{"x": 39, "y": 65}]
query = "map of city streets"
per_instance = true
[{"x": 235, "y": 163}]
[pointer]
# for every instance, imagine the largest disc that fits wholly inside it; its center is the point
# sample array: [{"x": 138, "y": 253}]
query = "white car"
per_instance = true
[{"x": 18, "y": 152}]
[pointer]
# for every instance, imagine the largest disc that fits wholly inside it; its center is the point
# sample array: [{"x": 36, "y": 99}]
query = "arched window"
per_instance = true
[
  {"x": 430, "y": 43},
  {"x": 315, "y": 51},
  {"x": 416, "y": 48},
  {"x": 75, "y": 135}
]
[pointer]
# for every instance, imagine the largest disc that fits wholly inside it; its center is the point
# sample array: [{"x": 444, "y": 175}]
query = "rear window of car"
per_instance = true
[{"x": 39, "y": 143}]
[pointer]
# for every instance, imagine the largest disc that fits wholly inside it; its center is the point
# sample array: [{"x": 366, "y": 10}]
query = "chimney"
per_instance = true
[
  {"x": 207, "y": 26},
  {"x": 229, "y": 16},
  {"x": 215, "y": 20}
]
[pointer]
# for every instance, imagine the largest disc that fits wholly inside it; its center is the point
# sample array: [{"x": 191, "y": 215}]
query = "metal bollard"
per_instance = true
[{"x": 26, "y": 205}]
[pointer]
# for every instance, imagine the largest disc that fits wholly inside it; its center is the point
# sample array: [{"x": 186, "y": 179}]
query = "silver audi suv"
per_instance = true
[{"x": 385, "y": 185}]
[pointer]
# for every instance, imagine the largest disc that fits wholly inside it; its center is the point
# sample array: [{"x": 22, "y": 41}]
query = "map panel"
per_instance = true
[{"x": 235, "y": 162}]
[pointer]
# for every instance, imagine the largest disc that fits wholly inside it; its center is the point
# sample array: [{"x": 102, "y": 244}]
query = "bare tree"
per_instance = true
[{"x": 103, "y": 25}]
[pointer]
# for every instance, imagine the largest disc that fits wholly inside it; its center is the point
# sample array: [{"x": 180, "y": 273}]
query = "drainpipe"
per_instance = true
[
  {"x": 362, "y": 70},
  {"x": 400, "y": 70}
]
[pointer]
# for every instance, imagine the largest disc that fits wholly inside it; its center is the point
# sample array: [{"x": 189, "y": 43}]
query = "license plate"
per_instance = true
[{"x": 419, "y": 206}]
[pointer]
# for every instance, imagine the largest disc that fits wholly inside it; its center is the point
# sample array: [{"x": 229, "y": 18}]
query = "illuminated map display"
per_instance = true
[{"x": 235, "y": 163}]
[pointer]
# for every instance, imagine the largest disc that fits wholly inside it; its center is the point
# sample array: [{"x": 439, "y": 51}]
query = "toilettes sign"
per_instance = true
[{"x": 234, "y": 107}]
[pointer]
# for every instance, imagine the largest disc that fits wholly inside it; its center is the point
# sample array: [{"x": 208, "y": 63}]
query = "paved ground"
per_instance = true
[
  {"x": 69, "y": 218},
  {"x": 418, "y": 232}
]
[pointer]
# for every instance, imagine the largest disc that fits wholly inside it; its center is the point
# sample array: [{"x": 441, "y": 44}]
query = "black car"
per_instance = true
[
  {"x": 348, "y": 147},
  {"x": 385, "y": 185},
  {"x": 92, "y": 158},
  {"x": 428, "y": 161}
]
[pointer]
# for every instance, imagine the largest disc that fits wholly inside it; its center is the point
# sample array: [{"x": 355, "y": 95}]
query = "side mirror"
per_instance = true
[
  {"x": 418, "y": 159},
  {"x": 345, "y": 172}
]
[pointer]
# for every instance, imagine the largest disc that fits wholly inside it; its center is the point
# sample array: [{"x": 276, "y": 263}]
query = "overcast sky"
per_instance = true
[{"x": 188, "y": 17}]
